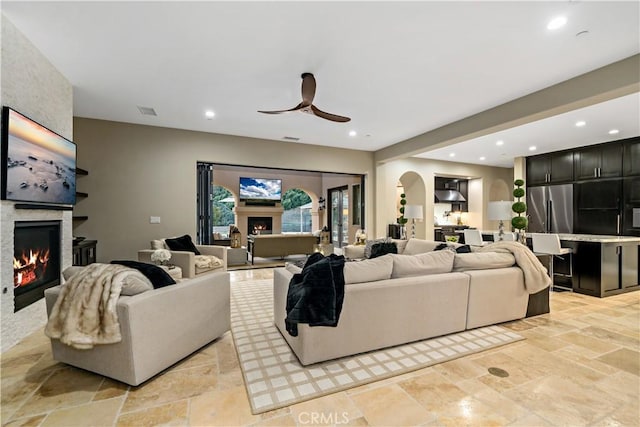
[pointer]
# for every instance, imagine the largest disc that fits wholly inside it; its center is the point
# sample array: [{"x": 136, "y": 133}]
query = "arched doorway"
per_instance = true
[
  {"x": 297, "y": 217},
  {"x": 412, "y": 186}
]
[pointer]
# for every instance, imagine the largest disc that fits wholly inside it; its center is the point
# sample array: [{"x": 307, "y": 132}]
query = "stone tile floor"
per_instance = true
[{"x": 579, "y": 366}]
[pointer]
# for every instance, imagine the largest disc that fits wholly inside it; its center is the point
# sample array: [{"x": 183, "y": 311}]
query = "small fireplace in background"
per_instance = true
[
  {"x": 259, "y": 225},
  {"x": 36, "y": 260}
]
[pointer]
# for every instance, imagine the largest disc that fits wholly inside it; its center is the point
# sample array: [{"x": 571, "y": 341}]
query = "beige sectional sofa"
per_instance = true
[
  {"x": 158, "y": 328},
  {"x": 405, "y": 305}
]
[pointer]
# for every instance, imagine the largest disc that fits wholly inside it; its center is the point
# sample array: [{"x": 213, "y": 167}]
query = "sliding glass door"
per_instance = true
[{"x": 339, "y": 215}]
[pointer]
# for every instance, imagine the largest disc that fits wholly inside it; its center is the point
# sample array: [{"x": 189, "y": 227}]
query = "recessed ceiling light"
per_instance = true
[
  {"x": 532, "y": 148},
  {"x": 482, "y": 158},
  {"x": 557, "y": 22},
  {"x": 452, "y": 154},
  {"x": 614, "y": 132},
  {"x": 209, "y": 114},
  {"x": 580, "y": 123},
  {"x": 352, "y": 133},
  {"x": 499, "y": 142}
]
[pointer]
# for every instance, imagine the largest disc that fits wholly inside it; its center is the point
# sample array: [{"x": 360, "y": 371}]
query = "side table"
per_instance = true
[
  {"x": 237, "y": 256},
  {"x": 174, "y": 271}
]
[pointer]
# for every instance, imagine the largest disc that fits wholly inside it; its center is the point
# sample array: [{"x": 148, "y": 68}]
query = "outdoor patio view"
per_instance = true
[{"x": 296, "y": 216}]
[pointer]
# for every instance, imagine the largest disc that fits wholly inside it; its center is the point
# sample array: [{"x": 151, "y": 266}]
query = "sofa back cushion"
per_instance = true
[
  {"x": 483, "y": 261},
  {"x": 369, "y": 270},
  {"x": 421, "y": 264},
  {"x": 419, "y": 246}
]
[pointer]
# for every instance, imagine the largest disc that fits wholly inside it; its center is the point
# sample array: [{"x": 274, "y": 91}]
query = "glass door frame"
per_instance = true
[{"x": 343, "y": 191}]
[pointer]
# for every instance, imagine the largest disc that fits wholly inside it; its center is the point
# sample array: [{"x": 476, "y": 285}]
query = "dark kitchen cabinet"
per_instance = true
[
  {"x": 604, "y": 269},
  {"x": 599, "y": 161},
  {"x": 632, "y": 157},
  {"x": 631, "y": 207},
  {"x": 598, "y": 207},
  {"x": 550, "y": 168}
]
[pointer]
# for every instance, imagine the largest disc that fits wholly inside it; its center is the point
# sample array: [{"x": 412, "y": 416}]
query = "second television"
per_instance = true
[{"x": 260, "y": 190}]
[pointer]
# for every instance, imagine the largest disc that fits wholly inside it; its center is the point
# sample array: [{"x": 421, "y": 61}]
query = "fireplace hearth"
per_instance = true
[{"x": 36, "y": 260}]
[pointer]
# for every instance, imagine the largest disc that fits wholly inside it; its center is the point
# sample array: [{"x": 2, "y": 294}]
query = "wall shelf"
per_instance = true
[
  {"x": 81, "y": 194},
  {"x": 80, "y": 218},
  {"x": 81, "y": 172}
]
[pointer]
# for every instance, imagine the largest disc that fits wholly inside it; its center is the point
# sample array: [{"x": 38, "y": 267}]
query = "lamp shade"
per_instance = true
[
  {"x": 499, "y": 210},
  {"x": 413, "y": 211}
]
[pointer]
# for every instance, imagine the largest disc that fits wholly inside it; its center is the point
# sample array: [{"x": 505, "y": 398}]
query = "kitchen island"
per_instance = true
[{"x": 603, "y": 265}]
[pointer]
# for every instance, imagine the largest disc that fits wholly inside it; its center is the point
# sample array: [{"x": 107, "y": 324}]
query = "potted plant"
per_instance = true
[
  {"x": 519, "y": 222},
  {"x": 401, "y": 219}
]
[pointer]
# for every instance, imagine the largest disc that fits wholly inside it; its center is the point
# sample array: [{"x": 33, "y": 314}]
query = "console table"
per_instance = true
[{"x": 84, "y": 252}]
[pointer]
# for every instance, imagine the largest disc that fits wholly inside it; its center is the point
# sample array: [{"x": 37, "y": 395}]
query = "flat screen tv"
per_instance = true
[
  {"x": 260, "y": 189},
  {"x": 38, "y": 165}
]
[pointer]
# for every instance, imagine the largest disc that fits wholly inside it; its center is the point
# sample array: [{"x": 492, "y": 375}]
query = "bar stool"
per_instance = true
[
  {"x": 549, "y": 244},
  {"x": 473, "y": 237}
]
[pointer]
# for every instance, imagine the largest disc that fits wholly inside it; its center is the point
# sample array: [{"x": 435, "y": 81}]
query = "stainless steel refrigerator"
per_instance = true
[{"x": 550, "y": 209}]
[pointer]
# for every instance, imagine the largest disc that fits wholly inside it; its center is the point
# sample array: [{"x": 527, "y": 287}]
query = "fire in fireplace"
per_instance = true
[
  {"x": 36, "y": 260},
  {"x": 259, "y": 224}
]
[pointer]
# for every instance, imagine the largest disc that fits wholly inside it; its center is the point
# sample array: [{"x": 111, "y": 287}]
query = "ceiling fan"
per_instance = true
[{"x": 306, "y": 106}]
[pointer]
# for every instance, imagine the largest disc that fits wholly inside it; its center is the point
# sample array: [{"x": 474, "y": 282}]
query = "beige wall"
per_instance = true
[
  {"x": 140, "y": 171},
  {"x": 33, "y": 86},
  {"x": 483, "y": 179}
]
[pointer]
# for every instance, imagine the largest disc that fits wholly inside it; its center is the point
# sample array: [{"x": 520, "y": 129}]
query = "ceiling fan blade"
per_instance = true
[
  {"x": 297, "y": 107},
  {"x": 328, "y": 116},
  {"x": 308, "y": 88}
]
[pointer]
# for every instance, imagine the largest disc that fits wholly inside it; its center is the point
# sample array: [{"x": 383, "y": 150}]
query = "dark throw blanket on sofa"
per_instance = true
[{"x": 316, "y": 294}]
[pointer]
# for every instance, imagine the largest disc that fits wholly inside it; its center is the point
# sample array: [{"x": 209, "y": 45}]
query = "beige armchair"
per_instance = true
[{"x": 192, "y": 265}]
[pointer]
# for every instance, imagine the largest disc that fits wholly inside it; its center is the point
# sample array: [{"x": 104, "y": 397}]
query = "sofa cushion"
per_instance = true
[
  {"x": 426, "y": 263},
  {"x": 182, "y": 243},
  {"x": 419, "y": 246},
  {"x": 70, "y": 271},
  {"x": 369, "y": 270},
  {"x": 461, "y": 249},
  {"x": 482, "y": 260},
  {"x": 156, "y": 275}
]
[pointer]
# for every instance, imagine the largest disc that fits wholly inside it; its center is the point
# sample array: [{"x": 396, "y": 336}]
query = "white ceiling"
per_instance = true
[{"x": 398, "y": 69}]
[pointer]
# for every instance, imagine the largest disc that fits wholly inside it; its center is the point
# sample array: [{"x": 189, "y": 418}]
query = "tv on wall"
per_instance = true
[
  {"x": 260, "y": 189},
  {"x": 38, "y": 165}
]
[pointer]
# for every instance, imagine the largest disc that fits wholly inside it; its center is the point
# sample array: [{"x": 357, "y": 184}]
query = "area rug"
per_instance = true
[{"x": 274, "y": 378}]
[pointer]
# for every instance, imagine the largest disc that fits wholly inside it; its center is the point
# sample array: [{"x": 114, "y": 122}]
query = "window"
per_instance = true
[
  {"x": 222, "y": 203},
  {"x": 297, "y": 211}
]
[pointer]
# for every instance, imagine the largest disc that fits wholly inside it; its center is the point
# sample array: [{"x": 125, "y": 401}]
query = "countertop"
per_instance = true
[{"x": 598, "y": 239}]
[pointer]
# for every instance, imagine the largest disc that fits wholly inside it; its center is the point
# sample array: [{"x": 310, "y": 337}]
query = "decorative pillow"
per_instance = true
[
  {"x": 158, "y": 277},
  {"x": 419, "y": 246},
  {"x": 401, "y": 244},
  {"x": 482, "y": 260},
  {"x": 421, "y": 264},
  {"x": 70, "y": 271},
  {"x": 158, "y": 244},
  {"x": 369, "y": 270},
  {"x": 379, "y": 249},
  {"x": 134, "y": 284},
  {"x": 369, "y": 244},
  {"x": 182, "y": 243}
]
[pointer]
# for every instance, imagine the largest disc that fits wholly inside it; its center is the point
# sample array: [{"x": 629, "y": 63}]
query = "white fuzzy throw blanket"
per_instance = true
[
  {"x": 535, "y": 274},
  {"x": 85, "y": 312}
]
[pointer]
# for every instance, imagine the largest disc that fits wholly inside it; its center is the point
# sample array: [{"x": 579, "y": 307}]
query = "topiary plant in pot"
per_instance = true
[{"x": 519, "y": 222}]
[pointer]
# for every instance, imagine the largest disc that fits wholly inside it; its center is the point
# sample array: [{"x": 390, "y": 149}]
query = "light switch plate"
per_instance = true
[{"x": 154, "y": 220}]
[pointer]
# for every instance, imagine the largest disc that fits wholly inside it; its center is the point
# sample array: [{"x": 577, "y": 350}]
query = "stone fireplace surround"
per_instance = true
[
  {"x": 19, "y": 324},
  {"x": 244, "y": 212}
]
